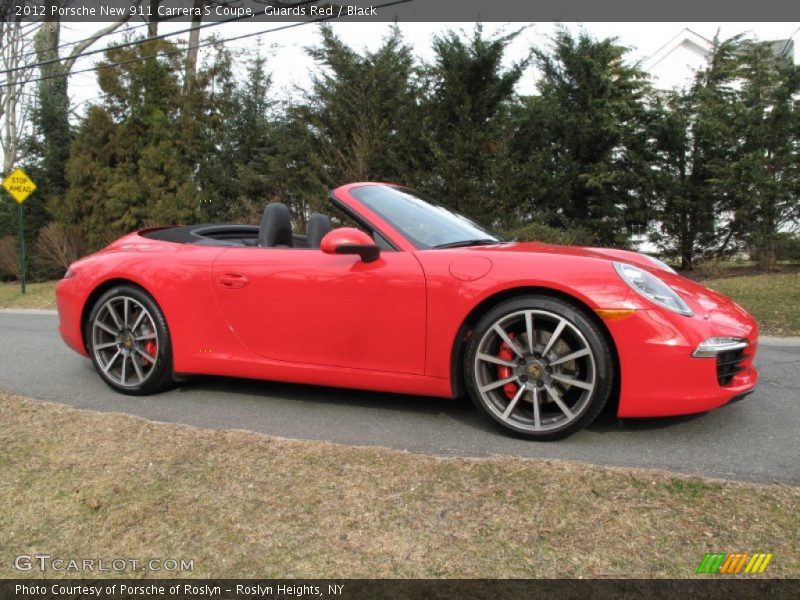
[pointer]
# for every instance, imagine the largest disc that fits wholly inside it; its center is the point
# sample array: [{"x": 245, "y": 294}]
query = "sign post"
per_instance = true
[
  {"x": 20, "y": 210},
  {"x": 20, "y": 186}
]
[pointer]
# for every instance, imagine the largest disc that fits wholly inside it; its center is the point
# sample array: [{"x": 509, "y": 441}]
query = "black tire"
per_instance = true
[
  {"x": 532, "y": 369},
  {"x": 145, "y": 376}
]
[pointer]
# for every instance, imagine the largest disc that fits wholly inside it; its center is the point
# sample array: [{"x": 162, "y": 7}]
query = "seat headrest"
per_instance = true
[
  {"x": 276, "y": 226},
  {"x": 318, "y": 227}
]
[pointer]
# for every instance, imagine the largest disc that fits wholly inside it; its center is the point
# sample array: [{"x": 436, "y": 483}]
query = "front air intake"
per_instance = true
[{"x": 728, "y": 365}]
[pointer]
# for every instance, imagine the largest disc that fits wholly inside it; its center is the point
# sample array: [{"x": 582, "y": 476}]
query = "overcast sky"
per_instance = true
[{"x": 290, "y": 65}]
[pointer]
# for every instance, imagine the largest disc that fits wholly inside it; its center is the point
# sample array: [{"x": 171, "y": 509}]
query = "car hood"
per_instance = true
[
  {"x": 583, "y": 251},
  {"x": 706, "y": 303}
]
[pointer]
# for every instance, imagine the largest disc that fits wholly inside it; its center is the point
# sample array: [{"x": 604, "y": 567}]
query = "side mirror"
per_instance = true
[{"x": 349, "y": 240}]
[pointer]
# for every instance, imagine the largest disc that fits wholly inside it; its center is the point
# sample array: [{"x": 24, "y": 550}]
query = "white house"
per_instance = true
[
  {"x": 676, "y": 62},
  {"x": 674, "y": 65}
]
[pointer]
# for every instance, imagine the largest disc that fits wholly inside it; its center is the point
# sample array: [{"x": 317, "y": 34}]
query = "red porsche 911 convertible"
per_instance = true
[{"x": 417, "y": 299}]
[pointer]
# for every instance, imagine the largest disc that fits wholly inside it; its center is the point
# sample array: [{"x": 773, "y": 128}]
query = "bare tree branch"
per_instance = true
[
  {"x": 14, "y": 101},
  {"x": 82, "y": 46}
]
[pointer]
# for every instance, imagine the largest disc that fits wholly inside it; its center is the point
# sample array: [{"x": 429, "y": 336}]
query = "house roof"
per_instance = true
[
  {"x": 685, "y": 36},
  {"x": 781, "y": 48}
]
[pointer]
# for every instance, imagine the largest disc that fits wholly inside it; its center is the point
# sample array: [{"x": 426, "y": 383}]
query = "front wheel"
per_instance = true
[
  {"x": 539, "y": 367},
  {"x": 129, "y": 342}
]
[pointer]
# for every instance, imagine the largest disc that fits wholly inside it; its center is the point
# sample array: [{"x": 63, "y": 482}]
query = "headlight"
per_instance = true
[
  {"x": 659, "y": 263},
  {"x": 651, "y": 287},
  {"x": 717, "y": 345}
]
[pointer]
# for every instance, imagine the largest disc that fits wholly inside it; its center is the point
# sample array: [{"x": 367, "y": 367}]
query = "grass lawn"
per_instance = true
[
  {"x": 37, "y": 295},
  {"x": 75, "y": 483},
  {"x": 773, "y": 299}
]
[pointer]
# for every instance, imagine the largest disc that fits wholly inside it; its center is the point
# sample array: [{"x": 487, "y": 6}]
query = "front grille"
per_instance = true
[{"x": 728, "y": 365}]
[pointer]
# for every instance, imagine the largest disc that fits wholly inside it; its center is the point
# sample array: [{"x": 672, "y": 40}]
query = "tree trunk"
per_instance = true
[
  {"x": 684, "y": 241},
  {"x": 11, "y": 94},
  {"x": 10, "y": 126},
  {"x": 687, "y": 250},
  {"x": 152, "y": 24},
  {"x": 54, "y": 103},
  {"x": 53, "y": 116},
  {"x": 767, "y": 255},
  {"x": 191, "y": 54}
]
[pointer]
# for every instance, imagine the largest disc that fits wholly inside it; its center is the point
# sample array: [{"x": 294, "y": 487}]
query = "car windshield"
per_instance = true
[{"x": 425, "y": 223}]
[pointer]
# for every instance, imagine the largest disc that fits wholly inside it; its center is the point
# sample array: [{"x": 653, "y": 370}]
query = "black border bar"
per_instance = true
[
  {"x": 709, "y": 588},
  {"x": 431, "y": 10}
]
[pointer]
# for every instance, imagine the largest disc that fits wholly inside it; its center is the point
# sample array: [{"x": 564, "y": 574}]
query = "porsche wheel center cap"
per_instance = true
[
  {"x": 127, "y": 341},
  {"x": 535, "y": 370}
]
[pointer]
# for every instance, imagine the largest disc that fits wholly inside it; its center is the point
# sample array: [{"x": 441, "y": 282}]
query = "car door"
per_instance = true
[{"x": 304, "y": 306}]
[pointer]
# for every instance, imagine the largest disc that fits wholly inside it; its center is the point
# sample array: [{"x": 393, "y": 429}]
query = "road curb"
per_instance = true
[
  {"x": 28, "y": 311},
  {"x": 771, "y": 340}
]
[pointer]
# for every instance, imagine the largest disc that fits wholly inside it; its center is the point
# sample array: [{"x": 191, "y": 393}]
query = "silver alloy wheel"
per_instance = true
[
  {"x": 551, "y": 370},
  {"x": 124, "y": 341}
]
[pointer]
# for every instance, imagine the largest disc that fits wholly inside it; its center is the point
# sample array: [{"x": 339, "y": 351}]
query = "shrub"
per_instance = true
[
  {"x": 9, "y": 257},
  {"x": 58, "y": 246},
  {"x": 709, "y": 269},
  {"x": 539, "y": 232},
  {"x": 787, "y": 247}
]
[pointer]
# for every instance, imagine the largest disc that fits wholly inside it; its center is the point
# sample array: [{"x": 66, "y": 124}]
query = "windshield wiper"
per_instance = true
[{"x": 462, "y": 243}]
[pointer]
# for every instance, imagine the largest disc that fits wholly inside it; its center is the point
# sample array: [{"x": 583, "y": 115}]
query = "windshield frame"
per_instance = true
[
  {"x": 347, "y": 195},
  {"x": 367, "y": 225}
]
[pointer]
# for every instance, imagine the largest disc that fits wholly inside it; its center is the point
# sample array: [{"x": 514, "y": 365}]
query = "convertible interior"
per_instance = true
[{"x": 275, "y": 231}]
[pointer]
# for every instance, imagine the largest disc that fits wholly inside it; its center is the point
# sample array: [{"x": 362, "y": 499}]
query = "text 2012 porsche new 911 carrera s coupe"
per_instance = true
[{"x": 416, "y": 299}]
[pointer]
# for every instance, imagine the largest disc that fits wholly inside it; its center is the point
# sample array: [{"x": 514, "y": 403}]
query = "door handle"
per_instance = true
[{"x": 233, "y": 281}]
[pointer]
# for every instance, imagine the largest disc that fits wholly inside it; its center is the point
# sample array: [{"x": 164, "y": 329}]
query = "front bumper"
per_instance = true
[
  {"x": 69, "y": 301},
  {"x": 659, "y": 376}
]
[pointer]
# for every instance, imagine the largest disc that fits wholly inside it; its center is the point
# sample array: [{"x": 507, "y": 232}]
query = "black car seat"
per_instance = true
[
  {"x": 318, "y": 227},
  {"x": 276, "y": 227}
]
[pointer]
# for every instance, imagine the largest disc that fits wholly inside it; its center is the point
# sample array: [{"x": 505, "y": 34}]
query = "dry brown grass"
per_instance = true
[
  {"x": 37, "y": 295},
  {"x": 75, "y": 483}
]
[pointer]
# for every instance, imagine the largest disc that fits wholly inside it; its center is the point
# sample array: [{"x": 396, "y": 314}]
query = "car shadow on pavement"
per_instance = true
[
  {"x": 327, "y": 395},
  {"x": 608, "y": 422},
  {"x": 459, "y": 409}
]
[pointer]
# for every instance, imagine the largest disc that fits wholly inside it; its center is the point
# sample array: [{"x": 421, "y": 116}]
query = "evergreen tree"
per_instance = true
[
  {"x": 762, "y": 181},
  {"x": 300, "y": 178},
  {"x": 678, "y": 218},
  {"x": 135, "y": 157},
  {"x": 696, "y": 137},
  {"x": 466, "y": 127},
  {"x": 582, "y": 145},
  {"x": 358, "y": 117},
  {"x": 261, "y": 155},
  {"x": 52, "y": 116}
]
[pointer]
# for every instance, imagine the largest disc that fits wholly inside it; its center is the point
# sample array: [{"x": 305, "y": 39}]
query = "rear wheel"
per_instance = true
[
  {"x": 539, "y": 367},
  {"x": 129, "y": 341}
]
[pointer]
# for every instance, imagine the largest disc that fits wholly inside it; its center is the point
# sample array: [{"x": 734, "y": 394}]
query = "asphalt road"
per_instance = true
[{"x": 757, "y": 439}]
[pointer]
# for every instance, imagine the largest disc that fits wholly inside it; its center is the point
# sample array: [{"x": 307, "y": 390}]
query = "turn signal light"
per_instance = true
[{"x": 614, "y": 314}]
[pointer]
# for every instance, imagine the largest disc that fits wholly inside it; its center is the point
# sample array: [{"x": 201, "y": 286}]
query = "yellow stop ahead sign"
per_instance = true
[{"x": 19, "y": 185}]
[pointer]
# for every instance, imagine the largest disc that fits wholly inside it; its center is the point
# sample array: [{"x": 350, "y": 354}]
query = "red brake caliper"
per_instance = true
[
  {"x": 150, "y": 347},
  {"x": 506, "y": 353}
]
